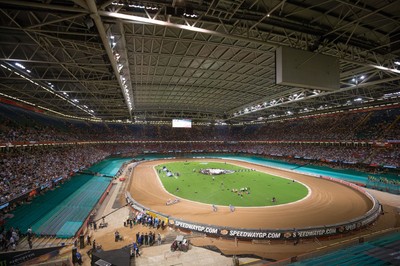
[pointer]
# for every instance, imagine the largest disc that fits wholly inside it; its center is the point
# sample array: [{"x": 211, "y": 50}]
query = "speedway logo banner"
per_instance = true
[
  {"x": 269, "y": 234},
  {"x": 225, "y": 232}
]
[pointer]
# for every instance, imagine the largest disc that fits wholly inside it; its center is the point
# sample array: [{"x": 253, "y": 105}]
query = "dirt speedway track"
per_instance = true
[{"x": 327, "y": 203}]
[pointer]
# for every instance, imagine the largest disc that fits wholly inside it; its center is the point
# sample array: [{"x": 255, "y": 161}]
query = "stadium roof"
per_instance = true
[{"x": 208, "y": 60}]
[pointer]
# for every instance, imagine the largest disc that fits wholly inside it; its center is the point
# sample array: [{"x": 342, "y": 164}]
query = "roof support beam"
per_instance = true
[
  {"x": 102, "y": 32},
  {"x": 137, "y": 19},
  {"x": 44, "y": 6}
]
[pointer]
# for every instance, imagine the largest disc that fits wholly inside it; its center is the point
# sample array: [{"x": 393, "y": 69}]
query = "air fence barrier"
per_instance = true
[{"x": 273, "y": 234}]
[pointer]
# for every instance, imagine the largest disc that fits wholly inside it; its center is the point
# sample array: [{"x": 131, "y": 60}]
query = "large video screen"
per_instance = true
[{"x": 183, "y": 123}]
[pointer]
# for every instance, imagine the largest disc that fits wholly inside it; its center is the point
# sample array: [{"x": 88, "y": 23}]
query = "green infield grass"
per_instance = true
[{"x": 186, "y": 181}]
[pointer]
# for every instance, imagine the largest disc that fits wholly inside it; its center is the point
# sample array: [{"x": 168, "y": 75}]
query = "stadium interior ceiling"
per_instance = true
[{"x": 212, "y": 61}]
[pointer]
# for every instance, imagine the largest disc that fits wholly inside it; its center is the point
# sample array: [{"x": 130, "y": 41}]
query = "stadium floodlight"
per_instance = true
[
  {"x": 19, "y": 65},
  {"x": 135, "y": 19},
  {"x": 386, "y": 68}
]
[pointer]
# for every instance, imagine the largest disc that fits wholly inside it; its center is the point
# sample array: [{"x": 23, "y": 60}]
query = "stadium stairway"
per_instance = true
[{"x": 381, "y": 251}]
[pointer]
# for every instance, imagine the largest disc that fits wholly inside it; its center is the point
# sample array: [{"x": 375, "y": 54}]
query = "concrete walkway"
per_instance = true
[{"x": 161, "y": 255}]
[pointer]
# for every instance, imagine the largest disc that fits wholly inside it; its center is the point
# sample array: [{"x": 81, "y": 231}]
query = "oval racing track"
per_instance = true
[{"x": 328, "y": 203}]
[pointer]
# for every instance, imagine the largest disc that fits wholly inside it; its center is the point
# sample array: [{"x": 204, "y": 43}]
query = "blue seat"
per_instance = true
[{"x": 361, "y": 254}]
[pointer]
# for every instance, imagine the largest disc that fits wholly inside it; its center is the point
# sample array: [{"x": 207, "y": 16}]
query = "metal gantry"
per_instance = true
[{"x": 205, "y": 60}]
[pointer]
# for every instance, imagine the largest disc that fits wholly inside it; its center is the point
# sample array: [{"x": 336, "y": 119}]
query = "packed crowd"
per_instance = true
[
  {"x": 378, "y": 125},
  {"x": 22, "y": 171},
  {"x": 351, "y": 154}
]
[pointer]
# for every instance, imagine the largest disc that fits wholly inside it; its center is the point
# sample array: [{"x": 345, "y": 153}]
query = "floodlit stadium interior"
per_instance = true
[{"x": 96, "y": 95}]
